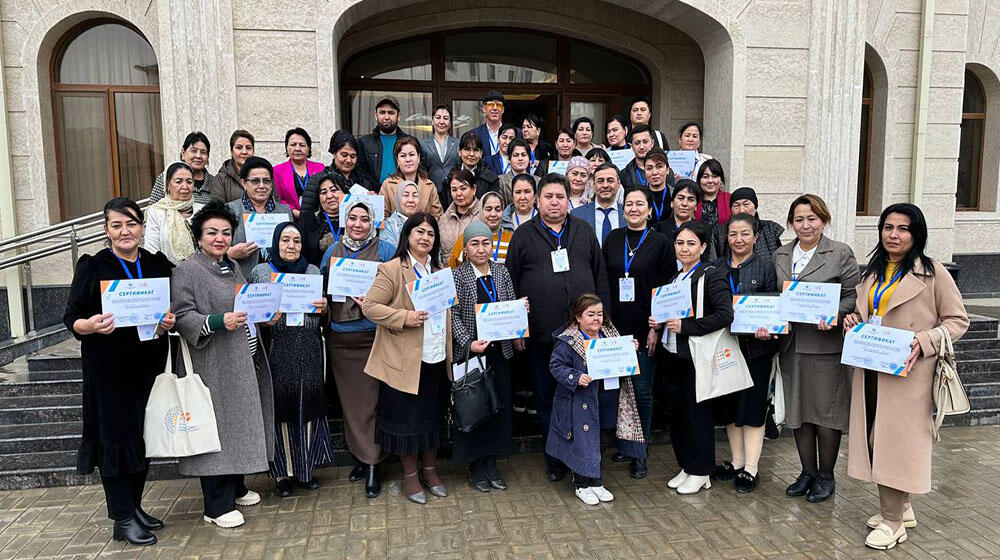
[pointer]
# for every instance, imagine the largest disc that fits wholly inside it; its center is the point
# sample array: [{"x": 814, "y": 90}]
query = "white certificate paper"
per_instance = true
[
  {"x": 752, "y": 312},
  {"x": 260, "y": 301},
  {"x": 299, "y": 291},
  {"x": 145, "y": 301},
  {"x": 877, "y": 348},
  {"x": 374, "y": 201},
  {"x": 501, "y": 320},
  {"x": 672, "y": 301},
  {"x": 433, "y": 293},
  {"x": 558, "y": 167},
  {"x": 611, "y": 357},
  {"x": 351, "y": 277},
  {"x": 260, "y": 227},
  {"x": 621, "y": 158},
  {"x": 682, "y": 162},
  {"x": 810, "y": 302}
]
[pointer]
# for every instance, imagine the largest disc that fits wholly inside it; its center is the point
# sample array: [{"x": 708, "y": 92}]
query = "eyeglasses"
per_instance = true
[
  {"x": 493, "y": 104},
  {"x": 258, "y": 181}
]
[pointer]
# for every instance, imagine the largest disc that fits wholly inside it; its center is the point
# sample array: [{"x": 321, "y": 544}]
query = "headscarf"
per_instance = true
[
  {"x": 578, "y": 161},
  {"x": 372, "y": 232},
  {"x": 399, "y": 196},
  {"x": 274, "y": 255},
  {"x": 177, "y": 229}
]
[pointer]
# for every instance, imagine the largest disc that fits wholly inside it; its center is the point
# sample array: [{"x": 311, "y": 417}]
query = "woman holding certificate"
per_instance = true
[
  {"x": 638, "y": 258},
  {"x": 743, "y": 413},
  {"x": 295, "y": 353},
  {"x": 692, "y": 432},
  {"x": 410, "y": 358},
  {"x": 890, "y": 435},
  {"x": 258, "y": 185},
  {"x": 349, "y": 340},
  {"x": 118, "y": 371},
  {"x": 817, "y": 387},
  {"x": 480, "y": 280},
  {"x": 224, "y": 352}
]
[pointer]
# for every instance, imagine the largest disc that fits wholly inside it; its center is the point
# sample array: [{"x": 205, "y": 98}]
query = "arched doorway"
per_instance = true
[
  {"x": 550, "y": 75},
  {"x": 106, "y": 112}
]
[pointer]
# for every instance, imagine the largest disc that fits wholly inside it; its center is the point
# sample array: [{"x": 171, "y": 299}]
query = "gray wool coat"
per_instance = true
[{"x": 239, "y": 383}]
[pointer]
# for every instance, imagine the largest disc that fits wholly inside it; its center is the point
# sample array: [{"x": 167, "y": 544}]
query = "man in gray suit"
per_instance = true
[
  {"x": 604, "y": 213},
  {"x": 440, "y": 151}
]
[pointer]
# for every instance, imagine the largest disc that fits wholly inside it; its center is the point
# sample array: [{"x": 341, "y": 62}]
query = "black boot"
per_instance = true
[
  {"x": 130, "y": 530},
  {"x": 477, "y": 476},
  {"x": 822, "y": 488},
  {"x": 373, "y": 481},
  {"x": 493, "y": 473},
  {"x": 147, "y": 521},
  {"x": 801, "y": 484},
  {"x": 555, "y": 470},
  {"x": 358, "y": 472},
  {"x": 283, "y": 488},
  {"x": 638, "y": 468},
  {"x": 620, "y": 457}
]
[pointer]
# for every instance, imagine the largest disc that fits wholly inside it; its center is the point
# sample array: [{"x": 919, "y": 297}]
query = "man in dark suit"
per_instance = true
[
  {"x": 604, "y": 213},
  {"x": 489, "y": 131}
]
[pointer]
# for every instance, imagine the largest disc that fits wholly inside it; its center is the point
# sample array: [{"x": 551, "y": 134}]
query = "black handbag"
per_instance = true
[{"x": 474, "y": 397}]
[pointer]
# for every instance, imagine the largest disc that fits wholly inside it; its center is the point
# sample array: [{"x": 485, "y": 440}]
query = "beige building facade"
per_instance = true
[{"x": 779, "y": 85}]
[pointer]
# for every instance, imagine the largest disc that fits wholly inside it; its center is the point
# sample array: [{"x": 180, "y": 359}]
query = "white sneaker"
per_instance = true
[
  {"x": 228, "y": 520},
  {"x": 587, "y": 496},
  {"x": 677, "y": 480},
  {"x": 251, "y": 498},
  {"x": 883, "y": 538},
  {"x": 693, "y": 484},
  {"x": 909, "y": 519},
  {"x": 602, "y": 493}
]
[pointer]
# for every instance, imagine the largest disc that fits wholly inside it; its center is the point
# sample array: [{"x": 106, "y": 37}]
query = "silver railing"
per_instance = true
[{"x": 22, "y": 250}]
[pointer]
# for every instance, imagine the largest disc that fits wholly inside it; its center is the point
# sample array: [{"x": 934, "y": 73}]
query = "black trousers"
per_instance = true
[
  {"x": 123, "y": 494},
  {"x": 220, "y": 493},
  {"x": 580, "y": 481},
  {"x": 539, "y": 355},
  {"x": 692, "y": 431}
]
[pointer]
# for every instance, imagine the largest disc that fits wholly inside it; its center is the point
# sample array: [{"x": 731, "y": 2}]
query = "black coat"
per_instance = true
[
  {"x": 310, "y": 196},
  {"x": 756, "y": 276},
  {"x": 118, "y": 369},
  {"x": 718, "y": 310},
  {"x": 529, "y": 259},
  {"x": 313, "y": 227},
  {"x": 767, "y": 243}
]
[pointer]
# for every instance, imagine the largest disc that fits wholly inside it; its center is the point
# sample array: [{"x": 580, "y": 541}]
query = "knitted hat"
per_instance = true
[
  {"x": 476, "y": 229},
  {"x": 744, "y": 193},
  {"x": 578, "y": 161}
]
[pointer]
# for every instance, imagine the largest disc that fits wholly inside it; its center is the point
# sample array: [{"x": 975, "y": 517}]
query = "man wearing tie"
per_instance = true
[{"x": 604, "y": 213}]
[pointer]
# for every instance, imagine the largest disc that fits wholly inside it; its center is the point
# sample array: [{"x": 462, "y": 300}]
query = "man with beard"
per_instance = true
[{"x": 377, "y": 159}]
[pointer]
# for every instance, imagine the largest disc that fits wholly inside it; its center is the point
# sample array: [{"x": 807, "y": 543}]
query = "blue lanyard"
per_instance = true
[
  {"x": 558, "y": 236},
  {"x": 496, "y": 248},
  {"x": 733, "y": 288},
  {"x": 628, "y": 258},
  {"x": 494, "y": 146},
  {"x": 138, "y": 267},
  {"x": 690, "y": 272},
  {"x": 641, "y": 175},
  {"x": 351, "y": 255},
  {"x": 585, "y": 337},
  {"x": 878, "y": 294},
  {"x": 663, "y": 204},
  {"x": 334, "y": 231},
  {"x": 517, "y": 218},
  {"x": 415, "y": 271},
  {"x": 302, "y": 183},
  {"x": 506, "y": 165},
  {"x": 271, "y": 264},
  {"x": 490, "y": 293}
]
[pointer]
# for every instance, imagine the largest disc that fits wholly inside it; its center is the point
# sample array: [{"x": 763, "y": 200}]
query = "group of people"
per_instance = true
[{"x": 583, "y": 249}]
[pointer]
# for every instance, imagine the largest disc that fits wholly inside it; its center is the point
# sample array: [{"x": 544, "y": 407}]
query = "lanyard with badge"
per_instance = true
[
  {"x": 436, "y": 322},
  {"x": 138, "y": 268},
  {"x": 875, "y": 318},
  {"x": 560, "y": 257},
  {"x": 663, "y": 204},
  {"x": 642, "y": 177},
  {"x": 734, "y": 287},
  {"x": 517, "y": 217},
  {"x": 496, "y": 245},
  {"x": 626, "y": 285},
  {"x": 333, "y": 230}
]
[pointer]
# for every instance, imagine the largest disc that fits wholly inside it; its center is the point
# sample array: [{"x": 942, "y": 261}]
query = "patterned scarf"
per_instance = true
[{"x": 249, "y": 207}]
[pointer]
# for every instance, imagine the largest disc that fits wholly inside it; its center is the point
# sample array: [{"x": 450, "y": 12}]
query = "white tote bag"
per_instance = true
[
  {"x": 719, "y": 367},
  {"x": 777, "y": 392},
  {"x": 180, "y": 418}
]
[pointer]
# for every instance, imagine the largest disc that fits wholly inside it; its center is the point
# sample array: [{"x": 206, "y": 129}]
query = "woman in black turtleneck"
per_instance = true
[{"x": 644, "y": 256}]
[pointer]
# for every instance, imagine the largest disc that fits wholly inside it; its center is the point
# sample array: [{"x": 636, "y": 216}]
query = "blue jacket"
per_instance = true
[
  {"x": 587, "y": 214},
  {"x": 575, "y": 429},
  {"x": 493, "y": 161}
]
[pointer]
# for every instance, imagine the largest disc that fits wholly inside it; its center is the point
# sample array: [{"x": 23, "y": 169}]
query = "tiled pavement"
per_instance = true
[{"x": 535, "y": 518}]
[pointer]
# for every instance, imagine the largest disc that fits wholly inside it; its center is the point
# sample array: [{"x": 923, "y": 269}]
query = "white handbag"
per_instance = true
[
  {"x": 180, "y": 418},
  {"x": 777, "y": 392},
  {"x": 719, "y": 366}
]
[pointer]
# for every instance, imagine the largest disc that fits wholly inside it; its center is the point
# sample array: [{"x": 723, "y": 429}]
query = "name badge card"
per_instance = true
[
  {"x": 626, "y": 289},
  {"x": 682, "y": 162},
  {"x": 299, "y": 292},
  {"x": 877, "y": 348},
  {"x": 614, "y": 356},
  {"x": 501, "y": 320},
  {"x": 373, "y": 201},
  {"x": 559, "y": 167},
  {"x": 351, "y": 277},
  {"x": 434, "y": 293},
  {"x": 672, "y": 301},
  {"x": 752, "y": 312},
  {"x": 560, "y": 260},
  {"x": 621, "y": 158},
  {"x": 810, "y": 302},
  {"x": 259, "y": 227},
  {"x": 133, "y": 303},
  {"x": 260, "y": 301}
]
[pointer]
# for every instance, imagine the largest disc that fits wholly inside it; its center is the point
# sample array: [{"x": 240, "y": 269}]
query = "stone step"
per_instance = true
[
  {"x": 969, "y": 366},
  {"x": 49, "y": 362},
  {"x": 983, "y": 389},
  {"x": 984, "y": 402},
  {"x": 40, "y": 409},
  {"x": 981, "y": 323},
  {"x": 975, "y": 378},
  {"x": 979, "y": 335},
  {"x": 986, "y": 417},
  {"x": 961, "y": 355},
  {"x": 969, "y": 345},
  {"x": 159, "y": 469},
  {"x": 35, "y": 388},
  {"x": 28, "y": 438},
  {"x": 56, "y": 375}
]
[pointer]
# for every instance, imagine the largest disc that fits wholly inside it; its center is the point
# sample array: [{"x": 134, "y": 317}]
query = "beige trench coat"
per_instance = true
[{"x": 901, "y": 434}]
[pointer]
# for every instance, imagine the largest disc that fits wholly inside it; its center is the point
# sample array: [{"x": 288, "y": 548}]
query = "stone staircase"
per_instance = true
[{"x": 40, "y": 414}]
